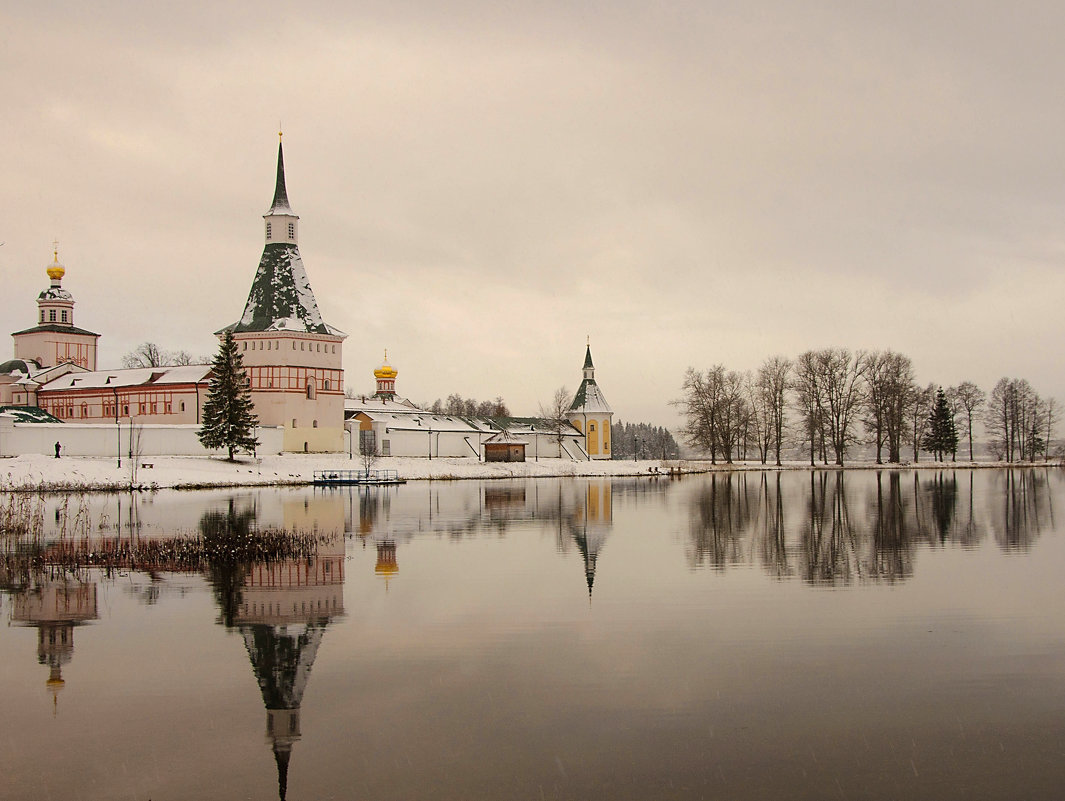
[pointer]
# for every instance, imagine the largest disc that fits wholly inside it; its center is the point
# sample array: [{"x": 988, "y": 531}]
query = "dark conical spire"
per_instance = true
[
  {"x": 587, "y": 354},
  {"x": 281, "y": 756},
  {"x": 280, "y": 203}
]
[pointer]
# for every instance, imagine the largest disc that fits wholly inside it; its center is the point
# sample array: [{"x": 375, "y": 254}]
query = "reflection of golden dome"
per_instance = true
[
  {"x": 55, "y": 269},
  {"x": 386, "y": 569},
  {"x": 385, "y": 370}
]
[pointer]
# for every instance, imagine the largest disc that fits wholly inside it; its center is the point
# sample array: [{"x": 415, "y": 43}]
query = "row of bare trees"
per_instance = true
[
  {"x": 148, "y": 354},
  {"x": 827, "y": 401}
]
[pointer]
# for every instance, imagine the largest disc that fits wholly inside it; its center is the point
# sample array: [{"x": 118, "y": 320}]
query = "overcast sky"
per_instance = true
[{"x": 481, "y": 185}]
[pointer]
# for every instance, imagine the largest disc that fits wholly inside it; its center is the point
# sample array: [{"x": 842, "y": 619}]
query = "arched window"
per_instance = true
[
  {"x": 311, "y": 392},
  {"x": 314, "y": 424},
  {"x": 325, "y": 385}
]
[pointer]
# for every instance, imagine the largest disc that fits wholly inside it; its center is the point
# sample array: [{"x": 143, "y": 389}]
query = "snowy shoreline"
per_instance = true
[{"x": 37, "y": 473}]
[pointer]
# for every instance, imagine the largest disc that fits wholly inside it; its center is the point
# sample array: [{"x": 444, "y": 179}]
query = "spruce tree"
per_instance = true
[
  {"x": 942, "y": 436},
  {"x": 228, "y": 413}
]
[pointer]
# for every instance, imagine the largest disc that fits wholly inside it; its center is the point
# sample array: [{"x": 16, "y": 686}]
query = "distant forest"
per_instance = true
[
  {"x": 643, "y": 439},
  {"x": 826, "y": 403}
]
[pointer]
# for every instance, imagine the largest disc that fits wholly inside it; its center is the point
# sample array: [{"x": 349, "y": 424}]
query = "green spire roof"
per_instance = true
[
  {"x": 588, "y": 358},
  {"x": 281, "y": 298},
  {"x": 280, "y": 204}
]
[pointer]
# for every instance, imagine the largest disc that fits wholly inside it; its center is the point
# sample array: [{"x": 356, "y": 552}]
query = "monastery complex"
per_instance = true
[{"x": 294, "y": 364}]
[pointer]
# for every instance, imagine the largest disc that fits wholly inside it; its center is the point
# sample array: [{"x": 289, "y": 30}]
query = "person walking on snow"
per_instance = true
[{"x": 58, "y": 447}]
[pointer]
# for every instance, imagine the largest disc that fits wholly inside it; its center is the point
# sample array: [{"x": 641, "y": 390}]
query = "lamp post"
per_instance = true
[
  {"x": 118, "y": 431},
  {"x": 430, "y": 442}
]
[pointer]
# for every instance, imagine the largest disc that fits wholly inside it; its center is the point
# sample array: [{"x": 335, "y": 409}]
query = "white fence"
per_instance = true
[{"x": 109, "y": 440}]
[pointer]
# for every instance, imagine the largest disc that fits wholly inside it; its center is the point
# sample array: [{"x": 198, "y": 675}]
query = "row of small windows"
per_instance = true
[
  {"x": 314, "y": 423},
  {"x": 108, "y": 409},
  {"x": 272, "y": 345},
  {"x": 291, "y": 231},
  {"x": 51, "y": 315}
]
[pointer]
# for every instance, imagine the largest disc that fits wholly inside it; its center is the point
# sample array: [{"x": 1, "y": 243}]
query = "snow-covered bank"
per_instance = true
[{"x": 36, "y": 472}]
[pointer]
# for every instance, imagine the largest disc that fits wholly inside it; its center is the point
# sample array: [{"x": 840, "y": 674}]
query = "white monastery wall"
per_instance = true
[{"x": 86, "y": 439}]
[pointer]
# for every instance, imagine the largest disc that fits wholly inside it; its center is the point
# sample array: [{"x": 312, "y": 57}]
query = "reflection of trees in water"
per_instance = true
[
  {"x": 771, "y": 535},
  {"x": 1023, "y": 510},
  {"x": 720, "y": 518},
  {"x": 829, "y": 549},
  {"x": 892, "y": 547},
  {"x": 828, "y": 535},
  {"x": 227, "y": 576}
]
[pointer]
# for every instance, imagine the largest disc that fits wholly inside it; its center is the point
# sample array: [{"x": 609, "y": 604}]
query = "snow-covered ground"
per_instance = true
[
  {"x": 36, "y": 472},
  {"x": 78, "y": 472}
]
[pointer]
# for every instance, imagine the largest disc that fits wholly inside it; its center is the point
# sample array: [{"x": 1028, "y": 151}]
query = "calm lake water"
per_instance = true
[{"x": 892, "y": 635}]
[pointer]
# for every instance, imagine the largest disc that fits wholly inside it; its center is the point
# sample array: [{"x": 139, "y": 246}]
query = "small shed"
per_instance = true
[{"x": 504, "y": 447}]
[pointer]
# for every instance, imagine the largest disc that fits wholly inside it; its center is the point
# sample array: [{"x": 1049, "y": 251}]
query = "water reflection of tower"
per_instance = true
[
  {"x": 55, "y": 607},
  {"x": 284, "y": 610},
  {"x": 591, "y": 524},
  {"x": 387, "y": 566}
]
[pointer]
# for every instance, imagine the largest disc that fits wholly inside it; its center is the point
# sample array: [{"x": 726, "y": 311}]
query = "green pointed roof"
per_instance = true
[
  {"x": 588, "y": 358},
  {"x": 280, "y": 204},
  {"x": 281, "y": 298}
]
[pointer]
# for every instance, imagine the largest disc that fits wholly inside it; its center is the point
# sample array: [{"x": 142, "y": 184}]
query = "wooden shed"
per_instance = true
[{"x": 504, "y": 447}]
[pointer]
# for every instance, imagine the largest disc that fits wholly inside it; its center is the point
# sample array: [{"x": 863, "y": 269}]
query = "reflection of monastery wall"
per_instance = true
[{"x": 400, "y": 513}]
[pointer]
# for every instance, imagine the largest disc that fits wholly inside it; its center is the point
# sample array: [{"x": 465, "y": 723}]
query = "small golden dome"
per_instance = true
[
  {"x": 55, "y": 269},
  {"x": 385, "y": 370}
]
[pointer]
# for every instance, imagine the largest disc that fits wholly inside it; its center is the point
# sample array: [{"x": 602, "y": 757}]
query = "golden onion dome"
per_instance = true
[
  {"x": 385, "y": 370},
  {"x": 55, "y": 269}
]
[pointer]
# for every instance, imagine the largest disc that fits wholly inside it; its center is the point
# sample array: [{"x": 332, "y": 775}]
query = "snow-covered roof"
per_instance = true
[
  {"x": 56, "y": 328},
  {"x": 29, "y": 414},
  {"x": 505, "y": 437},
  {"x": 417, "y": 420},
  {"x": 55, "y": 293},
  {"x": 137, "y": 377},
  {"x": 590, "y": 398},
  {"x": 372, "y": 403},
  {"x": 281, "y": 298}
]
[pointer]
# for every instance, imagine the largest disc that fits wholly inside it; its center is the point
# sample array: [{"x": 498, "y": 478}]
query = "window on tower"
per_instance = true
[
  {"x": 51, "y": 315},
  {"x": 292, "y": 230},
  {"x": 268, "y": 230},
  {"x": 63, "y": 315},
  {"x": 42, "y": 315}
]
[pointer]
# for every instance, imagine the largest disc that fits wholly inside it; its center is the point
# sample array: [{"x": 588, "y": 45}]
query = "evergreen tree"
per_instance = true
[
  {"x": 228, "y": 413},
  {"x": 942, "y": 435}
]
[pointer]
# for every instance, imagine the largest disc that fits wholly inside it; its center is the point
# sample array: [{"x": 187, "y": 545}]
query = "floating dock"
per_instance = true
[{"x": 344, "y": 477}]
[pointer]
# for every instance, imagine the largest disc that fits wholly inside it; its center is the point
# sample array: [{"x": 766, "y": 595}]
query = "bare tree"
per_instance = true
[
  {"x": 841, "y": 374},
  {"x": 771, "y": 385},
  {"x": 554, "y": 414},
  {"x": 809, "y": 397},
  {"x": 897, "y": 390},
  {"x": 1050, "y": 413},
  {"x": 147, "y": 354},
  {"x": 1013, "y": 418},
  {"x": 920, "y": 410},
  {"x": 700, "y": 405}
]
